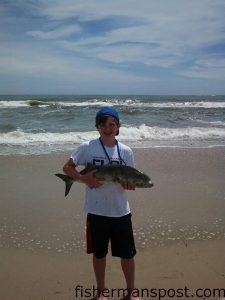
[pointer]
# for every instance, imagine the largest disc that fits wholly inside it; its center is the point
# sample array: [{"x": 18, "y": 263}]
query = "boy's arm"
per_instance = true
[
  {"x": 127, "y": 185},
  {"x": 89, "y": 179}
]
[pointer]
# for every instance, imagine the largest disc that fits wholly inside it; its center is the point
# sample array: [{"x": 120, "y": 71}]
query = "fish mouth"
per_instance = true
[{"x": 149, "y": 184}]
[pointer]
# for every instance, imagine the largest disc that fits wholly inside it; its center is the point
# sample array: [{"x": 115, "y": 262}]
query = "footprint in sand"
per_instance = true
[{"x": 174, "y": 275}]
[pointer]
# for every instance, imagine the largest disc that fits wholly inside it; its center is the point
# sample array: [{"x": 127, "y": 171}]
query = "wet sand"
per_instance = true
[{"x": 179, "y": 226}]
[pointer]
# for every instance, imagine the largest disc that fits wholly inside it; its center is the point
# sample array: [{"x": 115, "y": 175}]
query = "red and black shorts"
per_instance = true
[{"x": 118, "y": 230}]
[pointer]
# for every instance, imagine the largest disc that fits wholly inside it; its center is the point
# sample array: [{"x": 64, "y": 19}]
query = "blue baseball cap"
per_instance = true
[{"x": 108, "y": 111}]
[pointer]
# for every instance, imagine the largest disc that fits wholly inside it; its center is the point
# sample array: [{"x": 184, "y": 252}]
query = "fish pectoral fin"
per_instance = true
[{"x": 118, "y": 179}]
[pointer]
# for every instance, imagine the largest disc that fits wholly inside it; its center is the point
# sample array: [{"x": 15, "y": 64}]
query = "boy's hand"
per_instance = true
[
  {"x": 127, "y": 185},
  {"x": 90, "y": 180}
]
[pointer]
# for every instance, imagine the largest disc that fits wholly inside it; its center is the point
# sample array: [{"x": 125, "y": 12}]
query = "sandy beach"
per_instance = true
[{"x": 179, "y": 228}]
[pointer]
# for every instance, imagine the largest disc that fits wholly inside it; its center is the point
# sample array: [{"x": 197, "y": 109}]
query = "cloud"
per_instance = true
[
  {"x": 42, "y": 69},
  {"x": 208, "y": 68},
  {"x": 171, "y": 33},
  {"x": 113, "y": 44},
  {"x": 144, "y": 9},
  {"x": 60, "y": 32}
]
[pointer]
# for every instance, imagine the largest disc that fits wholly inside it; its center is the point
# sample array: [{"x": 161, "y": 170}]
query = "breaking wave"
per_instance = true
[
  {"x": 112, "y": 102},
  {"x": 141, "y": 133}
]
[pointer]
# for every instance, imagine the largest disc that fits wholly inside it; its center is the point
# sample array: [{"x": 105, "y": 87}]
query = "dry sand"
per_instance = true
[{"x": 179, "y": 227}]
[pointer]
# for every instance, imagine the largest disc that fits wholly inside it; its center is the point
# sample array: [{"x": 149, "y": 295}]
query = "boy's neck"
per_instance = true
[{"x": 108, "y": 141}]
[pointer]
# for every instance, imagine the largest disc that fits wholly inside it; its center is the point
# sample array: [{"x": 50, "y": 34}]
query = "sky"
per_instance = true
[{"x": 112, "y": 47}]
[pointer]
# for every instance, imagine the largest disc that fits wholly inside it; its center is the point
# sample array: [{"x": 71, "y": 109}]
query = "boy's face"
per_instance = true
[{"x": 108, "y": 127}]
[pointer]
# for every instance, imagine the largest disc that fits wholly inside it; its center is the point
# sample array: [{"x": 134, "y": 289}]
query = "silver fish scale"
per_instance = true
[{"x": 119, "y": 173}]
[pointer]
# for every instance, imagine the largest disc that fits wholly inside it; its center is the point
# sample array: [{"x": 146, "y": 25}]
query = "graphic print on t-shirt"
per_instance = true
[{"x": 99, "y": 161}]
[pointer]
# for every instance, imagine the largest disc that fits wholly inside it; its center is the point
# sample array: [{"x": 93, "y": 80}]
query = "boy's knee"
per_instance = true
[{"x": 100, "y": 255}]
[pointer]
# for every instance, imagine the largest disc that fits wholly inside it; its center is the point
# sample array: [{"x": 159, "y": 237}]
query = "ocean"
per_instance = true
[{"x": 42, "y": 124}]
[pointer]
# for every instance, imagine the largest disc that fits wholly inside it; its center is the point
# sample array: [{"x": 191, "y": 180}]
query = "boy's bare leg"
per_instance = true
[
  {"x": 99, "y": 265},
  {"x": 128, "y": 267}
]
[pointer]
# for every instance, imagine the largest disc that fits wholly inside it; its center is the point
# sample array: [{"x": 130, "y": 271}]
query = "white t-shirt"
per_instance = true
[{"x": 110, "y": 199}]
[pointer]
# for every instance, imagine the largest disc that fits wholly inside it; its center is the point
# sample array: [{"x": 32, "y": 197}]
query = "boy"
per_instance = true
[{"x": 107, "y": 207}]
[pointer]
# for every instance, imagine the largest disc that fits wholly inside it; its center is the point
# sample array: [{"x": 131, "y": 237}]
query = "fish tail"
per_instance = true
[{"x": 68, "y": 182}]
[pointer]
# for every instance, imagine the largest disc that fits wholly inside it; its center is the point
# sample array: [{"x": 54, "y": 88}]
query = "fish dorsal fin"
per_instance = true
[{"x": 89, "y": 167}]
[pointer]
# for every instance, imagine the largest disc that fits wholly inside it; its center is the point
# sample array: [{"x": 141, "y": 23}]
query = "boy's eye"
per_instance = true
[{"x": 109, "y": 124}]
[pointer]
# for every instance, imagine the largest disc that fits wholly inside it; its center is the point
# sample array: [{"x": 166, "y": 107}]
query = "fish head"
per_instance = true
[
  {"x": 146, "y": 184},
  {"x": 142, "y": 180}
]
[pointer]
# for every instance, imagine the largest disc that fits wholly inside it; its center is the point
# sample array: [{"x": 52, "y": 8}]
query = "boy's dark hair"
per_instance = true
[{"x": 101, "y": 120}]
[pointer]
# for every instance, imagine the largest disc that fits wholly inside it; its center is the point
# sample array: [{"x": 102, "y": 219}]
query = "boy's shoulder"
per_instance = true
[
  {"x": 96, "y": 143},
  {"x": 89, "y": 142},
  {"x": 93, "y": 143},
  {"x": 124, "y": 147}
]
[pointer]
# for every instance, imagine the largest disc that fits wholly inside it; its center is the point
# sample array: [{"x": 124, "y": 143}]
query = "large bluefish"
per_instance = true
[{"x": 113, "y": 173}]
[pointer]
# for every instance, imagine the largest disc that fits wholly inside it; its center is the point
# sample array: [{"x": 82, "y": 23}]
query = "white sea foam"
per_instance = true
[
  {"x": 43, "y": 104},
  {"x": 20, "y": 137},
  {"x": 114, "y": 102},
  {"x": 192, "y": 104},
  {"x": 157, "y": 133},
  {"x": 12, "y": 104},
  {"x": 141, "y": 133},
  {"x": 214, "y": 123}
]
